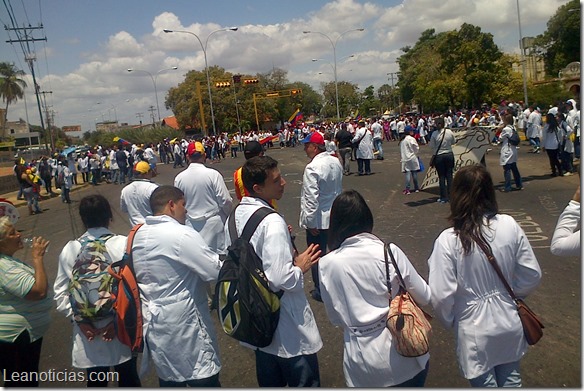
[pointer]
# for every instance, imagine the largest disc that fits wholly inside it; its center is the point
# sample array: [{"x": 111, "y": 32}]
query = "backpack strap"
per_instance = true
[
  {"x": 253, "y": 222},
  {"x": 130, "y": 243}
]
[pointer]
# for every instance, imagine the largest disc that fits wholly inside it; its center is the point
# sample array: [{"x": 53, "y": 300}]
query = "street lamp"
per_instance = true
[
  {"x": 522, "y": 49},
  {"x": 204, "y": 48},
  {"x": 334, "y": 45},
  {"x": 154, "y": 77}
]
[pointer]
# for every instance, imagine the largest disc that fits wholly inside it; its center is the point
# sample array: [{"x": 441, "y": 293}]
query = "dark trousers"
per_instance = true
[
  {"x": 321, "y": 240},
  {"x": 364, "y": 163},
  {"x": 554, "y": 158},
  {"x": 299, "y": 371},
  {"x": 20, "y": 356},
  {"x": 212, "y": 381},
  {"x": 444, "y": 168},
  {"x": 508, "y": 169},
  {"x": 418, "y": 380},
  {"x": 127, "y": 375},
  {"x": 567, "y": 159}
]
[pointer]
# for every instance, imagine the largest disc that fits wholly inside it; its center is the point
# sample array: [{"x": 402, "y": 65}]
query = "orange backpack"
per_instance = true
[{"x": 126, "y": 294}]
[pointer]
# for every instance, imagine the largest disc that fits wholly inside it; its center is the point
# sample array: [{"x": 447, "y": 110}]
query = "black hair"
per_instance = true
[
  {"x": 350, "y": 216},
  {"x": 161, "y": 195},
  {"x": 255, "y": 171},
  {"x": 95, "y": 211}
]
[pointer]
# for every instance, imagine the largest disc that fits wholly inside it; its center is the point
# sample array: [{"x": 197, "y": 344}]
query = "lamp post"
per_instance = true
[
  {"x": 204, "y": 48},
  {"x": 154, "y": 77},
  {"x": 334, "y": 45},
  {"x": 522, "y": 49}
]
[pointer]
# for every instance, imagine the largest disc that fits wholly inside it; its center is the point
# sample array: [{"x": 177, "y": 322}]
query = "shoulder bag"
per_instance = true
[
  {"x": 433, "y": 158},
  {"x": 408, "y": 324},
  {"x": 532, "y": 326}
]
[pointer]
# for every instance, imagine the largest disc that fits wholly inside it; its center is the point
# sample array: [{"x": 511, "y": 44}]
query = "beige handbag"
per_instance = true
[{"x": 408, "y": 324}]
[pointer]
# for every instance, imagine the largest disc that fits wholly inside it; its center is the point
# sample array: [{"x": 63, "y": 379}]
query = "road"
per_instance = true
[{"x": 412, "y": 222}]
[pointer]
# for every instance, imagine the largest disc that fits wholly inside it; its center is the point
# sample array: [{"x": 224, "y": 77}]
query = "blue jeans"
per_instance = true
[
  {"x": 507, "y": 170},
  {"x": 212, "y": 381},
  {"x": 504, "y": 375},
  {"x": 377, "y": 145},
  {"x": 534, "y": 141},
  {"x": 409, "y": 176},
  {"x": 417, "y": 381},
  {"x": 299, "y": 371}
]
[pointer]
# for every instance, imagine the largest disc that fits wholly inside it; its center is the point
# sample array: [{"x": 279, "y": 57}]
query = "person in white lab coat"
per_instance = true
[
  {"x": 207, "y": 197},
  {"x": 508, "y": 156},
  {"x": 355, "y": 295},
  {"x": 135, "y": 197},
  {"x": 468, "y": 295},
  {"x": 95, "y": 345},
  {"x": 172, "y": 265},
  {"x": 291, "y": 357},
  {"x": 363, "y": 138},
  {"x": 322, "y": 181},
  {"x": 566, "y": 239}
]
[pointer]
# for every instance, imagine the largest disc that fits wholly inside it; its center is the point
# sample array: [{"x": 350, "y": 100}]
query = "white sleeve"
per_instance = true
[
  {"x": 415, "y": 284},
  {"x": 566, "y": 239},
  {"x": 443, "y": 281},
  {"x": 61, "y": 285}
]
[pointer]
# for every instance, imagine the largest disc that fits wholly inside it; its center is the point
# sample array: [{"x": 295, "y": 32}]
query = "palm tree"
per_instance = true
[{"x": 11, "y": 87}]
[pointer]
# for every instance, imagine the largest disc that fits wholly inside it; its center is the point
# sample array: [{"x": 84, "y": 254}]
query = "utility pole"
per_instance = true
[
  {"x": 48, "y": 118},
  {"x": 30, "y": 57},
  {"x": 391, "y": 74},
  {"x": 152, "y": 109},
  {"x": 139, "y": 116}
]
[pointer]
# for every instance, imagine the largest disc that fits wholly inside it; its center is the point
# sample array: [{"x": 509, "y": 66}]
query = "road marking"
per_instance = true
[
  {"x": 532, "y": 229},
  {"x": 549, "y": 204}
]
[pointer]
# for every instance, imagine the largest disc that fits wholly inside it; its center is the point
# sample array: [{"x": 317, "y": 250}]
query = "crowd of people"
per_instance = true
[{"x": 180, "y": 246}]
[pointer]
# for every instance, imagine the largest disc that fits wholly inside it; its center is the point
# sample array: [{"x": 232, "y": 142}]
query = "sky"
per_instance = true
[{"x": 90, "y": 45}]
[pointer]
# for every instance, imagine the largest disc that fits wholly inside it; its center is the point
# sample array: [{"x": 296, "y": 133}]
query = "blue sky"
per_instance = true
[{"x": 91, "y": 44}]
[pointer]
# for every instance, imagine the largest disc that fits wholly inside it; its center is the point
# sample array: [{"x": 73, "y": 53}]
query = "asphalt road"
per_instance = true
[{"x": 412, "y": 222}]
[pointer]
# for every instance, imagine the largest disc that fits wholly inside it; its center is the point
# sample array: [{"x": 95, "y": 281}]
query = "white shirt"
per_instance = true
[
  {"x": 469, "y": 296},
  {"x": 409, "y": 149},
  {"x": 322, "y": 182},
  {"x": 377, "y": 131},
  {"x": 135, "y": 200},
  {"x": 354, "y": 292},
  {"x": 508, "y": 152},
  {"x": 96, "y": 353},
  {"x": 208, "y": 202},
  {"x": 534, "y": 125},
  {"x": 566, "y": 239},
  {"x": 365, "y": 148},
  {"x": 445, "y": 143},
  {"x": 172, "y": 266},
  {"x": 297, "y": 333}
]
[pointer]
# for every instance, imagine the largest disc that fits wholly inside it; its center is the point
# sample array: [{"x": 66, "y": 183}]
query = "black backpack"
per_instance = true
[
  {"x": 514, "y": 138},
  {"x": 248, "y": 310}
]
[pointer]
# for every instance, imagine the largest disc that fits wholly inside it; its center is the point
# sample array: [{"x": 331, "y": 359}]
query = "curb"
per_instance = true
[{"x": 11, "y": 197}]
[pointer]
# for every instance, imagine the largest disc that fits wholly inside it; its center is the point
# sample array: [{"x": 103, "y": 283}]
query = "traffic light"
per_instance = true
[
  {"x": 223, "y": 84},
  {"x": 251, "y": 81},
  {"x": 237, "y": 79}
]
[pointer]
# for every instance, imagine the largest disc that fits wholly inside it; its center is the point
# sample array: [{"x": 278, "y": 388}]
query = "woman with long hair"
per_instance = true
[
  {"x": 468, "y": 295},
  {"x": 551, "y": 143},
  {"x": 354, "y": 291}
]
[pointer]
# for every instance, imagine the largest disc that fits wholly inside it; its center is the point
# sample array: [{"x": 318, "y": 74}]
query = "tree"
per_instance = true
[
  {"x": 11, "y": 87},
  {"x": 560, "y": 43}
]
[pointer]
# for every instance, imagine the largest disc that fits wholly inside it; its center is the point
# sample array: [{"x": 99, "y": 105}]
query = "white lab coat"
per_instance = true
[
  {"x": 322, "y": 182},
  {"x": 208, "y": 203},
  {"x": 566, "y": 239},
  {"x": 297, "y": 333},
  {"x": 508, "y": 153},
  {"x": 172, "y": 265},
  {"x": 469, "y": 296},
  {"x": 365, "y": 149},
  {"x": 96, "y": 353},
  {"x": 409, "y": 149},
  {"x": 135, "y": 200},
  {"x": 354, "y": 292}
]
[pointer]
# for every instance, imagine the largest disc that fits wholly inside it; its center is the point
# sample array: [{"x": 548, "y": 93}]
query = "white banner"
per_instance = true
[{"x": 471, "y": 145}]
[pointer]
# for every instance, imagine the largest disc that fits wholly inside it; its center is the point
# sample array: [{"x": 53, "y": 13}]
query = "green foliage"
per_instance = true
[
  {"x": 11, "y": 86},
  {"x": 560, "y": 43},
  {"x": 135, "y": 136}
]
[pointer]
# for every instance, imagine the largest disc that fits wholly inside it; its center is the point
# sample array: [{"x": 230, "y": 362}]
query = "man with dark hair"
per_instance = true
[
  {"x": 208, "y": 200},
  {"x": 291, "y": 357},
  {"x": 321, "y": 183},
  {"x": 252, "y": 149},
  {"x": 173, "y": 266}
]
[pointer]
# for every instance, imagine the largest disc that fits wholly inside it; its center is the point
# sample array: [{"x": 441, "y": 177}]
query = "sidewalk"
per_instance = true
[{"x": 11, "y": 197}]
